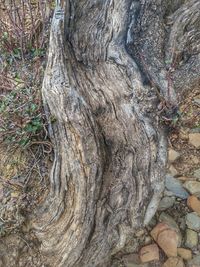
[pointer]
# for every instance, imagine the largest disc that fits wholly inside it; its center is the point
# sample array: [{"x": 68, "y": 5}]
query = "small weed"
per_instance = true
[
  {"x": 21, "y": 116},
  {"x": 37, "y": 52}
]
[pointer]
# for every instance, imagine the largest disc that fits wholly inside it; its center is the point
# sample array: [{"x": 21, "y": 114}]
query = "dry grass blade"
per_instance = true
[{"x": 21, "y": 24}]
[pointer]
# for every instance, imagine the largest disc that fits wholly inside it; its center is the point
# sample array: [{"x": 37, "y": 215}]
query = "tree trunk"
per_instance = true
[{"x": 115, "y": 71}]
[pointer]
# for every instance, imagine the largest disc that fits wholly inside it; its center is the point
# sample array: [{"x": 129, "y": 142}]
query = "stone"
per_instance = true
[
  {"x": 149, "y": 253},
  {"x": 132, "y": 258},
  {"x": 173, "y": 155},
  {"x": 195, "y": 262},
  {"x": 191, "y": 238},
  {"x": 184, "y": 253},
  {"x": 166, "y": 202},
  {"x": 174, "y": 262},
  {"x": 193, "y": 221},
  {"x": 147, "y": 240},
  {"x": 168, "y": 193},
  {"x": 152, "y": 223},
  {"x": 164, "y": 217},
  {"x": 158, "y": 229},
  {"x": 193, "y": 187},
  {"x": 173, "y": 170},
  {"x": 168, "y": 241},
  {"x": 194, "y": 139},
  {"x": 175, "y": 186},
  {"x": 194, "y": 204},
  {"x": 195, "y": 130},
  {"x": 196, "y": 173},
  {"x": 166, "y": 238},
  {"x": 197, "y": 101}
]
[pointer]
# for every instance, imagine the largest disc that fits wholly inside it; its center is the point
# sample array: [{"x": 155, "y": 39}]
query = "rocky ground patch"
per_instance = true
[{"x": 173, "y": 237}]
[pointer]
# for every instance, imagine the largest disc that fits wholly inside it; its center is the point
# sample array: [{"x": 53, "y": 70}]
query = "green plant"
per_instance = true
[
  {"x": 22, "y": 118},
  {"x": 37, "y": 52}
]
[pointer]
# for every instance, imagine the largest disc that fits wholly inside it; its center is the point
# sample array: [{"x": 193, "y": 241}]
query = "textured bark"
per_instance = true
[{"x": 110, "y": 65}]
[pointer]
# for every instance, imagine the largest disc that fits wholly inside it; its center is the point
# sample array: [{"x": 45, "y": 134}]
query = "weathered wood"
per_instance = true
[{"x": 107, "y": 60}]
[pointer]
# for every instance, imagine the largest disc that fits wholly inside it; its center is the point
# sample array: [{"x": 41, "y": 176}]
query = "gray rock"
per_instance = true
[
  {"x": 195, "y": 262},
  {"x": 168, "y": 193},
  {"x": 132, "y": 260},
  {"x": 196, "y": 173},
  {"x": 164, "y": 217},
  {"x": 152, "y": 223},
  {"x": 193, "y": 221},
  {"x": 175, "y": 186},
  {"x": 197, "y": 101},
  {"x": 166, "y": 202},
  {"x": 193, "y": 187},
  {"x": 195, "y": 130},
  {"x": 191, "y": 239}
]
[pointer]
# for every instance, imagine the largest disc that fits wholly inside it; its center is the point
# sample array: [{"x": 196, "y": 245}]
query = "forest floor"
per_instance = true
[
  {"x": 25, "y": 151},
  {"x": 25, "y": 158}
]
